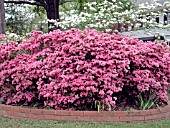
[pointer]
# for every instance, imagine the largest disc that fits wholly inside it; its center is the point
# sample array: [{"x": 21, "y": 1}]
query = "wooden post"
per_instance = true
[{"x": 2, "y": 17}]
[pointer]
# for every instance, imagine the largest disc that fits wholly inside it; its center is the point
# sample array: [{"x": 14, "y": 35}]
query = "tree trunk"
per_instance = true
[
  {"x": 52, "y": 12},
  {"x": 2, "y": 17}
]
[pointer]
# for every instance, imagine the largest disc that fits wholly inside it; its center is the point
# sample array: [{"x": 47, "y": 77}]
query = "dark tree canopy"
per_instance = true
[{"x": 51, "y": 7}]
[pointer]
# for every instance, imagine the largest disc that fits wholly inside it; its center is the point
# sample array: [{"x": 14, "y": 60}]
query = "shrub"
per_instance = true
[
  {"x": 8, "y": 37},
  {"x": 111, "y": 15},
  {"x": 73, "y": 69}
]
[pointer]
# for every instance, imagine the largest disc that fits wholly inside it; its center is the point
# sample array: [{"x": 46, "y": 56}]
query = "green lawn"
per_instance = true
[{"x": 27, "y": 123}]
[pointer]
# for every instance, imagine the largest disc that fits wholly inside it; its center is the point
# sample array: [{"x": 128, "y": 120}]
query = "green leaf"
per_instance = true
[
  {"x": 150, "y": 105},
  {"x": 141, "y": 101},
  {"x": 159, "y": 107}
]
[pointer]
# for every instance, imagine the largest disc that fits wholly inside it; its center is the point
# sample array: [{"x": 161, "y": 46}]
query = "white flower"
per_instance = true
[{"x": 107, "y": 15}]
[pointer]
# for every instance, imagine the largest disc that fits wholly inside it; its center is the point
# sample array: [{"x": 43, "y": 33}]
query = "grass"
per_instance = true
[{"x": 27, "y": 123}]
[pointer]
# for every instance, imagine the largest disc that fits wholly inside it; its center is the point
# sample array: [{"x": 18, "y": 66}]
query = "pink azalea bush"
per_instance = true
[{"x": 72, "y": 69}]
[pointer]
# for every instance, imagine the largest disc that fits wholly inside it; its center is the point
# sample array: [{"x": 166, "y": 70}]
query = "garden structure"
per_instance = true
[
  {"x": 16, "y": 112},
  {"x": 150, "y": 34}
]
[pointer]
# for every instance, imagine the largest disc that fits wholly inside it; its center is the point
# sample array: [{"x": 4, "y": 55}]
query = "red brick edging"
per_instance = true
[{"x": 86, "y": 116}]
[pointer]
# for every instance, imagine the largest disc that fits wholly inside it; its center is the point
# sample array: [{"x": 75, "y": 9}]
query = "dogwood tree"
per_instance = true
[{"x": 112, "y": 15}]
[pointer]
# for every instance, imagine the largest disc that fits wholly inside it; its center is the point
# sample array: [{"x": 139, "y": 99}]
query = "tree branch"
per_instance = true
[
  {"x": 24, "y": 2},
  {"x": 43, "y": 3}
]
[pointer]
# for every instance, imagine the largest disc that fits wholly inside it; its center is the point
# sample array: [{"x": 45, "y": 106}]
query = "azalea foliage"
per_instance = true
[{"x": 72, "y": 69}]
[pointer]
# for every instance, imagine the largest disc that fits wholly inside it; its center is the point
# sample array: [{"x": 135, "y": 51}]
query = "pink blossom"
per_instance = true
[{"x": 72, "y": 69}]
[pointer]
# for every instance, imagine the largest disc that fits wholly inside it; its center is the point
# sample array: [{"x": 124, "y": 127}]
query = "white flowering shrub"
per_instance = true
[
  {"x": 102, "y": 15},
  {"x": 9, "y": 37},
  {"x": 111, "y": 15}
]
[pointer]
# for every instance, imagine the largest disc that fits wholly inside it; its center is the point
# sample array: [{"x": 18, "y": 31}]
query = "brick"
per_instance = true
[
  {"x": 1, "y": 106},
  {"x": 91, "y": 113},
  {"x": 37, "y": 111},
  {"x": 126, "y": 119},
  {"x": 52, "y": 117},
  {"x": 144, "y": 112},
  {"x": 11, "y": 113},
  {"x": 165, "y": 109},
  {"x": 77, "y": 113},
  {"x": 160, "y": 116},
  {"x": 15, "y": 108},
  {"x": 39, "y": 117},
  {"x": 30, "y": 116},
  {"x": 106, "y": 113},
  {"x": 111, "y": 119},
  {"x": 155, "y": 111},
  {"x": 149, "y": 117},
  {"x": 24, "y": 110},
  {"x": 119, "y": 113},
  {"x": 69, "y": 118},
  {"x": 84, "y": 119},
  {"x": 15, "y": 114},
  {"x": 167, "y": 115},
  {"x": 96, "y": 119},
  {"x": 93, "y": 119},
  {"x": 133, "y": 113},
  {"x": 18, "y": 114},
  {"x": 49, "y": 112},
  {"x": 6, "y": 107},
  {"x": 138, "y": 118},
  {"x": 62, "y": 113}
]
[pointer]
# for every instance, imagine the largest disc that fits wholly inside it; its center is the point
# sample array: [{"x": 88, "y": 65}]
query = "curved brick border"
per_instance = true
[{"x": 86, "y": 116}]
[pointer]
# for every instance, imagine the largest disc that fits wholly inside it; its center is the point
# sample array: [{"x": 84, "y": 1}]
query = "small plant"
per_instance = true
[
  {"x": 98, "y": 106},
  {"x": 1, "y": 101},
  {"x": 147, "y": 103},
  {"x": 101, "y": 106}
]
